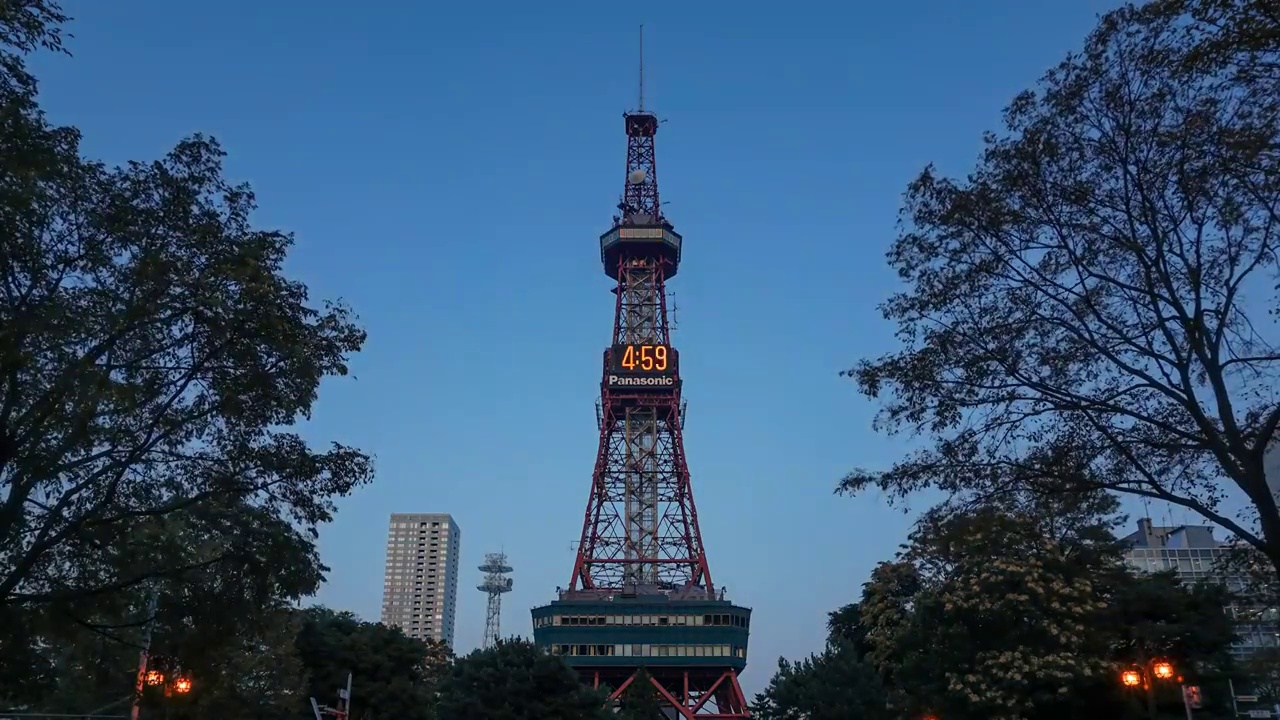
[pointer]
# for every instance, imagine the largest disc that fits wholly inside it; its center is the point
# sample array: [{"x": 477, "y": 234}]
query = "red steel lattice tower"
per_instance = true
[
  {"x": 641, "y": 593},
  {"x": 641, "y": 524}
]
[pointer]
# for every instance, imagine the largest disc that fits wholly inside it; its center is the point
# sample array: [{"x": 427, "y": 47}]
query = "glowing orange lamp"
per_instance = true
[
  {"x": 1162, "y": 670},
  {"x": 1131, "y": 678},
  {"x": 155, "y": 677},
  {"x": 182, "y": 685}
]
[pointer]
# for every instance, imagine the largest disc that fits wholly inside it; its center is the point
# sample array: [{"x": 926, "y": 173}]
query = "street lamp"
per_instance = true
[
  {"x": 181, "y": 685},
  {"x": 155, "y": 677},
  {"x": 1143, "y": 677},
  {"x": 1138, "y": 675}
]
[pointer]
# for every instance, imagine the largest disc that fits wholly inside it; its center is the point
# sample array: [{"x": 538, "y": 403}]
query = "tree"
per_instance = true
[
  {"x": 1084, "y": 310},
  {"x": 515, "y": 680},
  {"x": 395, "y": 676},
  {"x": 48, "y": 663},
  {"x": 230, "y": 626},
  {"x": 836, "y": 684},
  {"x": 1262, "y": 669},
  {"x": 152, "y": 358},
  {"x": 1156, "y": 616},
  {"x": 999, "y": 627},
  {"x": 641, "y": 700},
  {"x": 1006, "y": 614},
  {"x": 1238, "y": 37},
  {"x": 25, "y": 26},
  {"x": 260, "y": 675},
  {"x": 259, "y": 663}
]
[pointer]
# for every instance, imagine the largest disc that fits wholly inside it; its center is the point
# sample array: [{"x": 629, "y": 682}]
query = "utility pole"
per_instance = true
[
  {"x": 342, "y": 711},
  {"x": 152, "y": 605},
  {"x": 344, "y": 700}
]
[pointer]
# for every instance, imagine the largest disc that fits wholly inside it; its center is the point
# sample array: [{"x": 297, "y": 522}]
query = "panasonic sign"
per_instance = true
[{"x": 633, "y": 381}]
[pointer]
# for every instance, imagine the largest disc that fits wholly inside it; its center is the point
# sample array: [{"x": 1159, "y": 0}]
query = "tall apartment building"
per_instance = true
[
  {"x": 420, "y": 584},
  {"x": 1195, "y": 555}
]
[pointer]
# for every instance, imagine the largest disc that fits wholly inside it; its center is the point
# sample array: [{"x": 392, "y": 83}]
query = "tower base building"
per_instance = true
[{"x": 693, "y": 646}]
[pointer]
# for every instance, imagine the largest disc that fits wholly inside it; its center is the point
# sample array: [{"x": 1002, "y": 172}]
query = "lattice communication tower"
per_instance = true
[
  {"x": 641, "y": 594},
  {"x": 496, "y": 582}
]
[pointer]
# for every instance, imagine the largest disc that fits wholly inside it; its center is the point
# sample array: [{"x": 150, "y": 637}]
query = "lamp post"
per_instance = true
[
  {"x": 1145, "y": 676},
  {"x": 144, "y": 674}
]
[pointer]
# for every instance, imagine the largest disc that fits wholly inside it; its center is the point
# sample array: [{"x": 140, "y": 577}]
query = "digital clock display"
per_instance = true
[
  {"x": 640, "y": 367},
  {"x": 632, "y": 359}
]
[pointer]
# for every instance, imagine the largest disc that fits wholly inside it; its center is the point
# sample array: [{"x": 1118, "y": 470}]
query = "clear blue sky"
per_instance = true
[{"x": 448, "y": 168}]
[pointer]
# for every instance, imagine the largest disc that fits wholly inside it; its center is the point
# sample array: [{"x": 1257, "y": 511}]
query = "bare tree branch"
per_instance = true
[{"x": 1083, "y": 311}]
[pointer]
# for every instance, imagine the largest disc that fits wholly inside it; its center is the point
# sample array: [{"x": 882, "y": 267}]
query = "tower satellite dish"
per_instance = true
[{"x": 635, "y": 177}]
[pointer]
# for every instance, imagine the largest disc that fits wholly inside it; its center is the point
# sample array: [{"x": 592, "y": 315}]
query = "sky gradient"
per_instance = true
[{"x": 448, "y": 169}]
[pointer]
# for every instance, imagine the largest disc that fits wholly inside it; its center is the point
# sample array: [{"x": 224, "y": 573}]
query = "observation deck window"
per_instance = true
[
  {"x": 668, "y": 619},
  {"x": 646, "y": 650}
]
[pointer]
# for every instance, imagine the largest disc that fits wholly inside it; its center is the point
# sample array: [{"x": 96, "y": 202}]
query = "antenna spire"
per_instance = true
[{"x": 642, "y": 68}]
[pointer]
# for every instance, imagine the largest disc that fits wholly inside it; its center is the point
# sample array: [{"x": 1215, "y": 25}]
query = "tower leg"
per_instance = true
[
  {"x": 493, "y": 615},
  {"x": 695, "y": 694}
]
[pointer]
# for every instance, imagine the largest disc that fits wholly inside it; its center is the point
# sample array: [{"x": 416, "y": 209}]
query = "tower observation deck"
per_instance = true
[{"x": 641, "y": 595}]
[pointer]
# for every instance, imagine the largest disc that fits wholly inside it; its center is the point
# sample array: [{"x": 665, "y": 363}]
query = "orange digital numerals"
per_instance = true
[{"x": 647, "y": 358}]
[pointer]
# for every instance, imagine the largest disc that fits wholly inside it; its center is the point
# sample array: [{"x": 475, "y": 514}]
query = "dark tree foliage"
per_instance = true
[
  {"x": 997, "y": 625},
  {"x": 231, "y": 627},
  {"x": 252, "y": 672},
  {"x": 26, "y": 26},
  {"x": 152, "y": 358},
  {"x": 515, "y": 680},
  {"x": 1238, "y": 37},
  {"x": 1262, "y": 670},
  {"x": 1088, "y": 308},
  {"x": 998, "y": 614},
  {"x": 247, "y": 658},
  {"x": 641, "y": 700},
  {"x": 846, "y": 629},
  {"x": 228, "y": 625},
  {"x": 836, "y": 684},
  {"x": 395, "y": 677},
  {"x": 1156, "y": 616}
]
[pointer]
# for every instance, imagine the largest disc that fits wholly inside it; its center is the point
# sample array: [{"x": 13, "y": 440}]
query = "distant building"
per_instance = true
[
  {"x": 1195, "y": 555},
  {"x": 420, "y": 583},
  {"x": 1271, "y": 468}
]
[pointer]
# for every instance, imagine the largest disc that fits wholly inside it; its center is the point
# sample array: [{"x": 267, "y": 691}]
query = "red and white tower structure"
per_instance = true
[{"x": 641, "y": 594}]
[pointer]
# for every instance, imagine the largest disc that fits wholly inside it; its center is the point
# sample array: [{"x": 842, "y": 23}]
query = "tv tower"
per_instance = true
[
  {"x": 495, "y": 583},
  {"x": 641, "y": 594}
]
